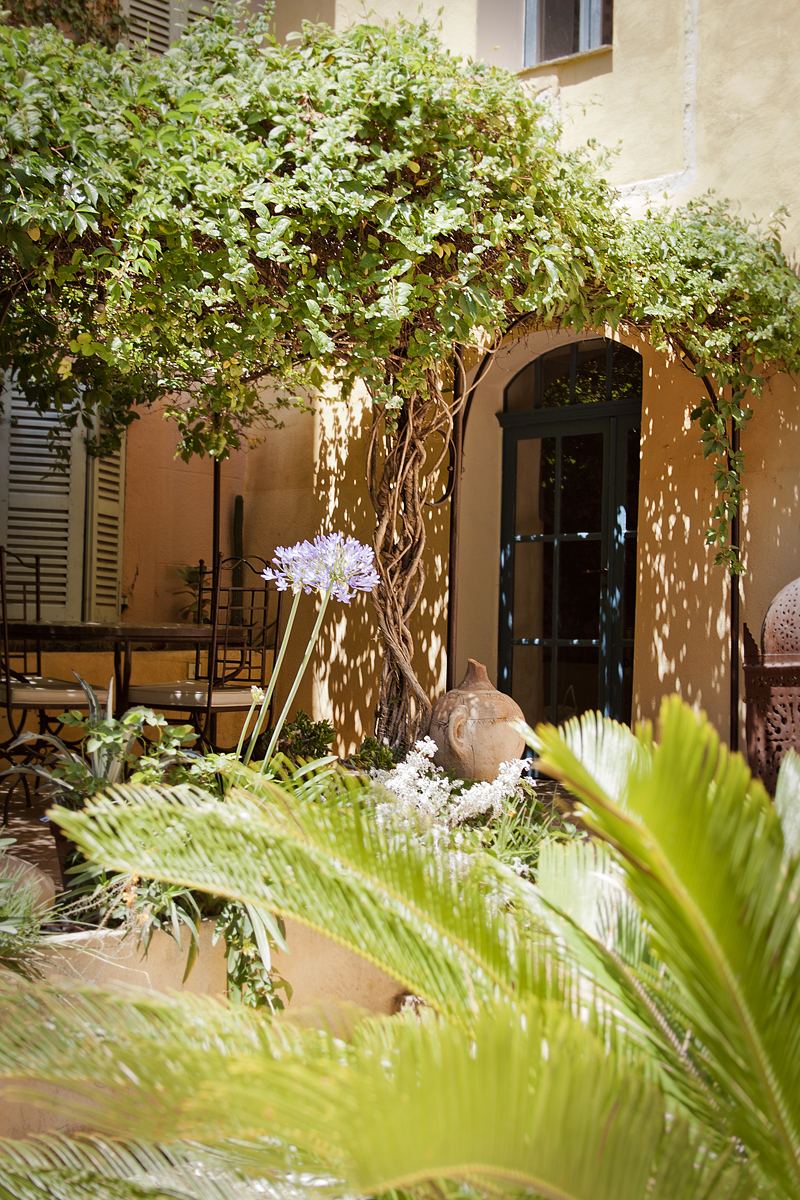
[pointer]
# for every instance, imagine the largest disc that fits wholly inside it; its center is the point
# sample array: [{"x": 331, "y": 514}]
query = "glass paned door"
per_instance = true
[{"x": 568, "y": 560}]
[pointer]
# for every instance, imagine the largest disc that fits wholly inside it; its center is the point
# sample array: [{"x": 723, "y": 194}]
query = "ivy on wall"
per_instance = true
[
  {"x": 349, "y": 207},
  {"x": 86, "y": 20}
]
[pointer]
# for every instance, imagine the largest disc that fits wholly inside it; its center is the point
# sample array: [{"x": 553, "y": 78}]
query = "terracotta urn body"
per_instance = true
[{"x": 470, "y": 726}]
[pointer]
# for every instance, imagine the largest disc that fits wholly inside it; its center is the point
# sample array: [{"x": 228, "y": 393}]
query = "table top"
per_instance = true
[{"x": 110, "y": 631}]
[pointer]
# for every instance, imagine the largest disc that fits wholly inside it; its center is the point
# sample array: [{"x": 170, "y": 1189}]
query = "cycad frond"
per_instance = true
[
  {"x": 702, "y": 848},
  {"x": 444, "y": 931},
  {"x": 600, "y": 922},
  {"x": 531, "y": 1098},
  {"x": 60, "y": 1168}
]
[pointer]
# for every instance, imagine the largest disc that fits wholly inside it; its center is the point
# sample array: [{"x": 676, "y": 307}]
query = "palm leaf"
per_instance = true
[
  {"x": 787, "y": 803},
  {"x": 385, "y": 895},
  {"x": 703, "y": 851},
  {"x": 530, "y": 1098},
  {"x": 60, "y": 1168},
  {"x": 589, "y": 907}
]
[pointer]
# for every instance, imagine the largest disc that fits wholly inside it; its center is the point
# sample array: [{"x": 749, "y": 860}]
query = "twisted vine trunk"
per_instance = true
[{"x": 403, "y": 468}]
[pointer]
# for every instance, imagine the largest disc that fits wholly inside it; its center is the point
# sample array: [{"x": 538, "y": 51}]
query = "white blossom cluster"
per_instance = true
[{"x": 418, "y": 790}]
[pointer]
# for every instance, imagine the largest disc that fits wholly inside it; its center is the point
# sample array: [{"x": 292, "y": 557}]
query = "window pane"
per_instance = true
[
  {"x": 559, "y": 30},
  {"x": 533, "y": 590},
  {"x": 590, "y": 375},
  {"x": 632, "y": 459},
  {"x": 530, "y": 685},
  {"x": 579, "y": 590},
  {"x": 627, "y": 684},
  {"x": 626, "y": 373},
  {"x": 582, "y": 483},
  {"x": 629, "y": 589},
  {"x": 536, "y": 474},
  {"x": 520, "y": 392},
  {"x": 555, "y": 28},
  {"x": 577, "y": 681},
  {"x": 555, "y": 377}
]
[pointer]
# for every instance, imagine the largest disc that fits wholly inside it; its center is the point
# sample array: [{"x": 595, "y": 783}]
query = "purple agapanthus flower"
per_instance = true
[{"x": 330, "y": 561}]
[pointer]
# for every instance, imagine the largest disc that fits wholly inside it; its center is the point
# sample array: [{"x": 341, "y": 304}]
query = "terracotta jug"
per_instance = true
[{"x": 470, "y": 726}]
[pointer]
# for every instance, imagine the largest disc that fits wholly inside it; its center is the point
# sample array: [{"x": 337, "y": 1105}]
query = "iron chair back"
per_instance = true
[
  {"x": 21, "y": 599},
  {"x": 246, "y": 615}
]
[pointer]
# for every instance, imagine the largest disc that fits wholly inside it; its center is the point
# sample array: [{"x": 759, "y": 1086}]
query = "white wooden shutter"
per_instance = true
[
  {"x": 42, "y": 503},
  {"x": 160, "y": 22},
  {"x": 150, "y": 21},
  {"x": 105, "y": 509}
]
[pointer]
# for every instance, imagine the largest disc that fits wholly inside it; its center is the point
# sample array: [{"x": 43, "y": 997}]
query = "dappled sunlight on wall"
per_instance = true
[
  {"x": 347, "y": 667},
  {"x": 310, "y": 477},
  {"x": 771, "y": 509},
  {"x": 682, "y": 606}
]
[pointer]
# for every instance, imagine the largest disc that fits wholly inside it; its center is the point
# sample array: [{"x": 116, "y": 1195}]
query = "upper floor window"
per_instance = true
[{"x": 558, "y": 28}]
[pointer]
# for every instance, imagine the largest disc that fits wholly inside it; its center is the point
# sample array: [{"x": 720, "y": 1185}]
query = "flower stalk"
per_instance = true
[
  {"x": 270, "y": 686},
  {"x": 332, "y": 565},
  {"x": 297, "y": 679}
]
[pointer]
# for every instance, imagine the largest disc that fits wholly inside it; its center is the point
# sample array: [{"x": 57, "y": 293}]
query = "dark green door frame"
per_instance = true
[{"x": 613, "y": 420}]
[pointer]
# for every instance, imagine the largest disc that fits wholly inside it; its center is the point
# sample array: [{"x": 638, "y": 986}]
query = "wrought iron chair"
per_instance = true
[
  {"x": 245, "y": 612},
  {"x": 23, "y": 688}
]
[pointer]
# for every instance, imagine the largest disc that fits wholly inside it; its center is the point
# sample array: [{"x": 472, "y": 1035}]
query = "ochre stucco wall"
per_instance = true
[
  {"x": 309, "y": 477},
  {"x": 168, "y": 517},
  {"x": 696, "y": 94}
]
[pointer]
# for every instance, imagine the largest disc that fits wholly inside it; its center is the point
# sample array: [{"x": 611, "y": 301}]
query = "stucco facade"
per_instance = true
[{"x": 692, "y": 95}]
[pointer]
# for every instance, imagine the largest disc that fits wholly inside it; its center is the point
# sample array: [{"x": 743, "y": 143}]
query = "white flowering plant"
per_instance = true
[{"x": 509, "y": 817}]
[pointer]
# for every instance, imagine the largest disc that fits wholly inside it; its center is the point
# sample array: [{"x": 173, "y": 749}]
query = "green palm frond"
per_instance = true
[
  {"x": 787, "y": 803},
  {"x": 589, "y": 907},
  {"x": 444, "y": 930},
  {"x": 532, "y": 1098},
  {"x": 703, "y": 853},
  {"x": 60, "y": 1168}
]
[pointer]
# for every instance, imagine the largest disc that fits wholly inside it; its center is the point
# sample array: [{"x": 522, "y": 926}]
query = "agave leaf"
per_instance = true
[
  {"x": 703, "y": 851},
  {"x": 95, "y": 711},
  {"x": 51, "y": 739},
  {"x": 41, "y": 773}
]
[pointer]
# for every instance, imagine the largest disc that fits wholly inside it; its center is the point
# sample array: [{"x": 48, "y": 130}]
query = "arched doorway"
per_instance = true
[{"x": 571, "y": 431}]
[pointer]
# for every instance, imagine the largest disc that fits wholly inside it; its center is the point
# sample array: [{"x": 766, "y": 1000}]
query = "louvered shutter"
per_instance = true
[
  {"x": 105, "y": 508},
  {"x": 160, "y": 22},
  {"x": 151, "y": 21},
  {"x": 42, "y": 505}
]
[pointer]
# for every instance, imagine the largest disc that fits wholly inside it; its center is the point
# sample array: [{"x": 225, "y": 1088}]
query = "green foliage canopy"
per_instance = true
[{"x": 351, "y": 207}]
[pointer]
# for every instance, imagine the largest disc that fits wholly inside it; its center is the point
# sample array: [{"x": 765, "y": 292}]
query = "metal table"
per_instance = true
[{"x": 120, "y": 634}]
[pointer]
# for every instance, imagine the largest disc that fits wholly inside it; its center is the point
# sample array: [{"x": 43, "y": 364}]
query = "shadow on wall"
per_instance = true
[
  {"x": 347, "y": 665},
  {"x": 682, "y": 603},
  {"x": 310, "y": 477},
  {"x": 683, "y": 615}
]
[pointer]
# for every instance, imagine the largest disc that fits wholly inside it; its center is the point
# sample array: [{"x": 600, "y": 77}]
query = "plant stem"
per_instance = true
[
  {"x": 293, "y": 691},
  {"x": 272, "y": 680},
  {"x": 244, "y": 727}
]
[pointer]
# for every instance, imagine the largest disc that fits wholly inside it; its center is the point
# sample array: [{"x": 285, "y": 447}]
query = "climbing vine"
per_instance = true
[
  {"x": 237, "y": 214},
  {"x": 87, "y": 20}
]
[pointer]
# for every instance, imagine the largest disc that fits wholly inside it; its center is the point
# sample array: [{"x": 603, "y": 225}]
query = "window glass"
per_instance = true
[
  {"x": 558, "y": 28},
  {"x": 555, "y": 378},
  {"x": 587, "y": 372},
  {"x": 520, "y": 393}
]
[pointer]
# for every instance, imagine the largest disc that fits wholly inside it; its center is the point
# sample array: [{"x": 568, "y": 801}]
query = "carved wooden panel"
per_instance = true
[
  {"x": 772, "y": 696},
  {"x": 781, "y": 630}
]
